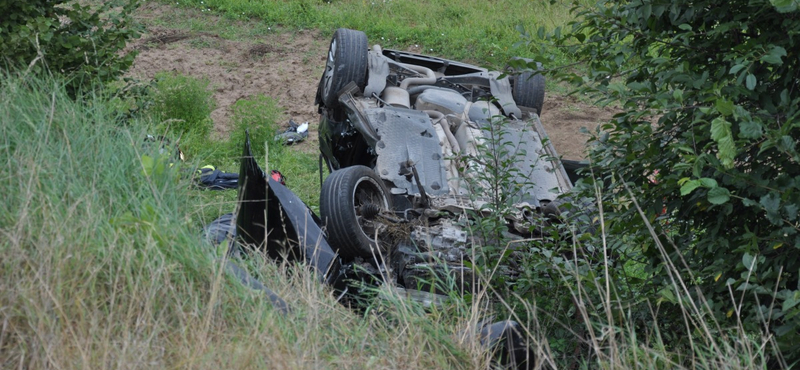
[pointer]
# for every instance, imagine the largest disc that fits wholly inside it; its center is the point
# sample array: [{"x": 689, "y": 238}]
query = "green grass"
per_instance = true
[
  {"x": 178, "y": 107},
  {"x": 103, "y": 266},
  {"x": 482, "y": 32}
]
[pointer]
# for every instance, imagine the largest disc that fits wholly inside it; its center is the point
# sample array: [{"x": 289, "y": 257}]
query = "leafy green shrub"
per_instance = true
[
  {"x": 707, "y": 144},
  {"x": 185, "y": 101},
  {"x": 66, "y": 37},
  {"x": 182, "y": 105}
]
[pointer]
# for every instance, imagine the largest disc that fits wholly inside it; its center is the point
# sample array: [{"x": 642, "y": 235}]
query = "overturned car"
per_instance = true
[{"x": 404, "y": 136}]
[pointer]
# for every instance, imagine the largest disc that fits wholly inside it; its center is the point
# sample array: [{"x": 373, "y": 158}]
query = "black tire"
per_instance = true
[
  {"x": 528, "y": 90},
  {"x": 345, "y": 194},
  {"x": 346, "y": 62}
]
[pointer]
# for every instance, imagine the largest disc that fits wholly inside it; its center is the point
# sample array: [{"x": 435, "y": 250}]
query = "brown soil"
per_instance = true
[
  {"x": 564, "y": 116},
  {"x": 286, "y": 66}
]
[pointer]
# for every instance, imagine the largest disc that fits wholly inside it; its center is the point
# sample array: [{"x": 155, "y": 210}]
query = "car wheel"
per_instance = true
[
  {"x": 346, "y": 62},
  {"x": 528, "y": 90},
  {"x": 350, "y": 201}
]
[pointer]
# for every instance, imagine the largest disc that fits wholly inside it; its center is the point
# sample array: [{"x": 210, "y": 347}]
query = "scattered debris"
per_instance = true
[
  {"x": 214, "y": 179},
  {"x": 294, "y": 134}
]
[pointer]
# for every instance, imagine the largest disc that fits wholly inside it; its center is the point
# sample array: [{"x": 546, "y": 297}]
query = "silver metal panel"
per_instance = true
[
  {"x": 535, "y": 173},
  {"x": 407, "y": 137}
]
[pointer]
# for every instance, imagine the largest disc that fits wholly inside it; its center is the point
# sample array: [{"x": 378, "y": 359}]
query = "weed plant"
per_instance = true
[{"x": 182, "y": 107}]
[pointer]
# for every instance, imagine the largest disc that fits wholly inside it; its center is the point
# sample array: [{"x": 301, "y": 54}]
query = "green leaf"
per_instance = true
[
  {"x": 785, "y": 143},
  {"x": 719, "y": 195},
  {"x": 749, "y": 202},
  {"x": 748, "y": 261},
  {"x": 667, "y": 296},
  {"x": 721, "y": 133},
  {"x": 774, "y": 56},
  {"x": 724, "y": 106},
  {"x": 771, "y": 203},
  {"x": 790, "y": 302},
  {"x": 685, "y": 27},
  {"x": 677, "y": 95},
  {"x": 785, "y": 6},
  {"x": 791, "y": 211},
  {"x": 750, "y": 129},
  {"x": 708, "y": 183},
  {"x": 689, "y": 186},
  {"x": 736, "y": 68},
  {"x": 750, "y": 82}
]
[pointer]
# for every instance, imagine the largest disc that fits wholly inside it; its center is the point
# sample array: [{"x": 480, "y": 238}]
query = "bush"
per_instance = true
[
  {"x": 68, "y": 38},
  {"x": 707, "y": 144},
  {"x": 186, "y": 102},
  {"x": 182, "y": 105}
]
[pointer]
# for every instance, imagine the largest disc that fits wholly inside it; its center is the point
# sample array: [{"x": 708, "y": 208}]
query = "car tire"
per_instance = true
[
  {"x": 348, "y": 196},
  {"x": 528, "y": 90},
  {"x": 346, "y": 62}
]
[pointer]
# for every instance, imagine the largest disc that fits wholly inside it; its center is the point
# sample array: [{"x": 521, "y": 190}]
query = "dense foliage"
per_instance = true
[
  {"x": 706, "y": 143},
  {"x": 66, "y": 37}
]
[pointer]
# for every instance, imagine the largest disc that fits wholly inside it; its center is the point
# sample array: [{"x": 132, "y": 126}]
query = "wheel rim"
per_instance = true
[
  {"x": 368, "y": 192},
  {"x": 329, "y": 69}
]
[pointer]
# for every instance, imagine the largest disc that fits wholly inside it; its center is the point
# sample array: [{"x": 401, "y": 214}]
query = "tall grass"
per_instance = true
[
  {"x": 102, "y": 266},
  {"x": 483, "y": 32}
]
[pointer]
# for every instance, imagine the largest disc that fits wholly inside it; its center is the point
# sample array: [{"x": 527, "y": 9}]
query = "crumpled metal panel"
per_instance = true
[{"x": 408, "y": 138}]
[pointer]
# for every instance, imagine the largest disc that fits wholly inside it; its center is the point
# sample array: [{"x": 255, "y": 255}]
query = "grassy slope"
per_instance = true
[
  {"x": 483, "y": 32},
  {"x": 103, "y": 266}
]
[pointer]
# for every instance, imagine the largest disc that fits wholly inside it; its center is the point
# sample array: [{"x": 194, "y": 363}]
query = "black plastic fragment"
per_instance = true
[{"x": 271, "y": 216}]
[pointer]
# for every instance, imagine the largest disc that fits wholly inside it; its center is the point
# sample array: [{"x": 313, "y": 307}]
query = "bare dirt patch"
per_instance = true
[
  {"x": 286, "y": 66},
  {"x": 564, "y": 116}
]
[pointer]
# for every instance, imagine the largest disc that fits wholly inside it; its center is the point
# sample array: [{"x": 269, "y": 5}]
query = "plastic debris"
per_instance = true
[{"x": 294, "y": 134}]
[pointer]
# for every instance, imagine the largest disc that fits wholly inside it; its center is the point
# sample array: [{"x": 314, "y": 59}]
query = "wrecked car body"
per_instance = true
[
  {"x": 273, "y": 219},
  {"x": 397, "y": 130}
]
